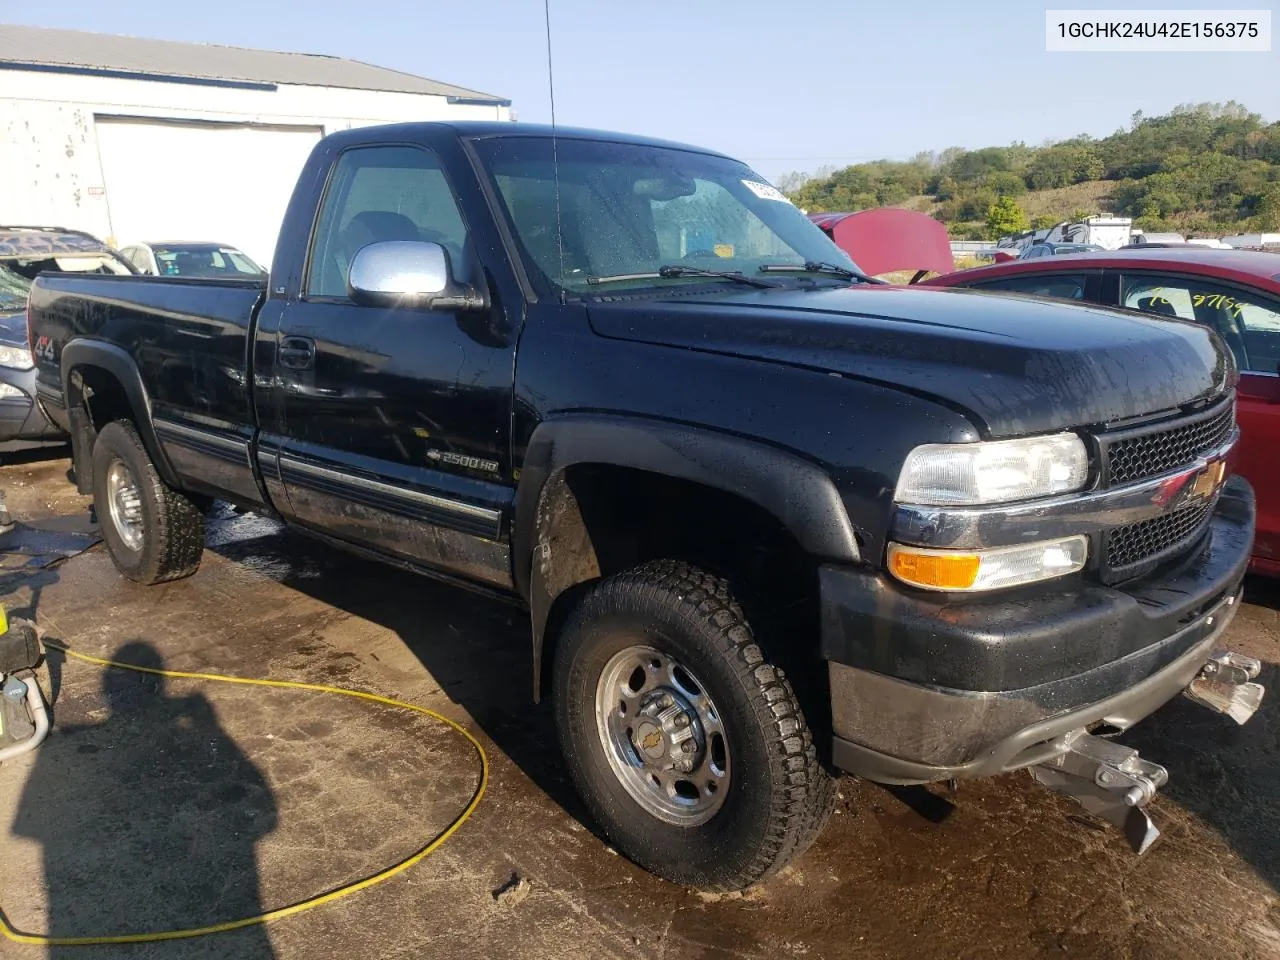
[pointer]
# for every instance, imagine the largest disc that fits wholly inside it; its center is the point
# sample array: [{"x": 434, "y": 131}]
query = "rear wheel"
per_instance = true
[
  {"x": 688, "y": 746},
  {"x": 153, "y": 532}
]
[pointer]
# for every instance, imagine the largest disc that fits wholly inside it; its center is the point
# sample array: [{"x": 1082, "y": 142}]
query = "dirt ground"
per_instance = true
[{"x": 156, "y": 805}]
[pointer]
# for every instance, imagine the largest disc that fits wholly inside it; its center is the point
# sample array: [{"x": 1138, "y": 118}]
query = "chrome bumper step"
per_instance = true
[
  {"x": 1225, "y": 685},
  {"x": 1111, "y": 781}
]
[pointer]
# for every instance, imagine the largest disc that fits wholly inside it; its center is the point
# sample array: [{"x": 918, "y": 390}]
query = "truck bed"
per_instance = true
[{"x": 189, "y": 339}]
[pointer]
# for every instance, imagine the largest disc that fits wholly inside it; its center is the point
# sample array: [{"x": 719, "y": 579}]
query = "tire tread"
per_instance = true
[
  {"x": 803, "y": 791},
  {"x": 178, "y": 536}
]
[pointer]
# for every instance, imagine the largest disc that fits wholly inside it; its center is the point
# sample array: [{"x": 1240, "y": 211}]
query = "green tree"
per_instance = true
[
  {"x": 1208, "y": 164},
  {"x": 1006, "y": 183},
  {"x": 1268, "y": 218},
  {"x": 1005, "y": 217},
  {"x": 1052, "y": 167}
]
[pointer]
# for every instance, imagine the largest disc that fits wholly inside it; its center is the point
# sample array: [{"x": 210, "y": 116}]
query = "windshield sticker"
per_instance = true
[{"x": 764, "y": 191}]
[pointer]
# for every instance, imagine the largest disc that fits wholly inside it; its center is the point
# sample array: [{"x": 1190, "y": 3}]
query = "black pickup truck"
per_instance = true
[{"x": 771, "y": 519}]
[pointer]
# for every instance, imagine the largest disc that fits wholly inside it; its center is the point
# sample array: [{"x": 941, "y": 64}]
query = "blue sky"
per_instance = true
[{"x": 785, "y": 87}]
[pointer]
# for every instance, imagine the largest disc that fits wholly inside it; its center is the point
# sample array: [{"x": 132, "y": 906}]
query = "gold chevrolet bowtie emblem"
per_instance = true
[
  {"x": 651, "y": 741},
  {"x": 1209, "y": 480}
]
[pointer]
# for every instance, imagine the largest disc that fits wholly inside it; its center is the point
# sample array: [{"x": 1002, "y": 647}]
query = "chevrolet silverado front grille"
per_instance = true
[
  {"x": 1137, "y": 455},
  {"x": 1148, "y": 539},
  {"x": 1140, "y": 453}
]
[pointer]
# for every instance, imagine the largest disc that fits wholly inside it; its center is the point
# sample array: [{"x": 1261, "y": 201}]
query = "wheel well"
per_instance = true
[
  {"x": 95, "y": 398},
  {"x": 103, "y": 396},
  {"x": 595, "y": 520}
]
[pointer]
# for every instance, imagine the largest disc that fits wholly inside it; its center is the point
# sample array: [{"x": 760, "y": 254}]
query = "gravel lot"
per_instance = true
[{"x": 169, "y": 805}]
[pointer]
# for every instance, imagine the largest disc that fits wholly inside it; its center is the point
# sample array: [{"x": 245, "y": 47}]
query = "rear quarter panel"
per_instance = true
[{"x": 188, "y": 339}]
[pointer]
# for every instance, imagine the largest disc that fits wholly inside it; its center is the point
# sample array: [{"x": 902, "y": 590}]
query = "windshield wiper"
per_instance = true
[
  {"x": 820, "y": 266},
  {"x": 672, "y": 271}
]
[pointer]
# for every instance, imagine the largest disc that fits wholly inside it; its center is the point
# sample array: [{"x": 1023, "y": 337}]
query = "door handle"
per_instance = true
[{"x": 297, "y": 353}]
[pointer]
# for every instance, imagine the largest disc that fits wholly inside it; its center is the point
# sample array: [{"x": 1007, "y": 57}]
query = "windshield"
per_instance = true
[
  {"x": 630, "y": 210},
  {"x": 13, "y": 290},
  {"x": 209, "y": 260}
]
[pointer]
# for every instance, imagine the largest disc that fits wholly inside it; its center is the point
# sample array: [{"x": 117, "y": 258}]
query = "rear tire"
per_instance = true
[
  {"x": 153, "y": 532},
  {"x": 750, "y": 801}
]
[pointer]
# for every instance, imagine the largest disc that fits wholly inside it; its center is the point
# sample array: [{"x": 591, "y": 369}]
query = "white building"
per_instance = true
[{"x": 149, "y": 140}]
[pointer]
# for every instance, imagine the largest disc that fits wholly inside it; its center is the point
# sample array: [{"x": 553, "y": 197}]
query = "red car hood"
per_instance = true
[{"x": 888, "y": 239}]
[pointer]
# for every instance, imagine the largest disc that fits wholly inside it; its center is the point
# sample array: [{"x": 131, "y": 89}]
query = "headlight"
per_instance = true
[
  {"x": 19, "y": 358},
  {"x": 972, "y": 570},
  {"x": 993, "y": 471}
]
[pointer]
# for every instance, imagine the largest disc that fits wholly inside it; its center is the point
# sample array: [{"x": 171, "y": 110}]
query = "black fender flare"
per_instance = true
[
  {"x": 797, "y": 492},
  {"x": 116, "y": 361}
]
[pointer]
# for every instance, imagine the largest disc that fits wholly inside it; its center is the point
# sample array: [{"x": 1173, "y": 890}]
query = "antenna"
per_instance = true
[{"x": 555, "y": 158}]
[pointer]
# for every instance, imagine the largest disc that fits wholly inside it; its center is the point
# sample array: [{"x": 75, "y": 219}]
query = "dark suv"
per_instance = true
[{"x": 26, "y": 252}]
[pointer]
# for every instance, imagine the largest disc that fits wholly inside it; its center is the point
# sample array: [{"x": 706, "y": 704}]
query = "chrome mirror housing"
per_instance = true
[{"x": 411, "y": 273}]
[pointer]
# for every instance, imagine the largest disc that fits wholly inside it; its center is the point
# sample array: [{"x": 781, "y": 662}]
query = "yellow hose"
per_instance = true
[{"x": 303, "y": 905}]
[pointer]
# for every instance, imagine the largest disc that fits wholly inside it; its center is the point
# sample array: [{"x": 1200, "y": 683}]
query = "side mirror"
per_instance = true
[{"x": 411, "y": 273}]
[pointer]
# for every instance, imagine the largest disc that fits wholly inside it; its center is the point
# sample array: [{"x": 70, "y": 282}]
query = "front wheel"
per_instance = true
[
  {"x": 688, "y": 746},
  {"x": 153, "y": 532}
]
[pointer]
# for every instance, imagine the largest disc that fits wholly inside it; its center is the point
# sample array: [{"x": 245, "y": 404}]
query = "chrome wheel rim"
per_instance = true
[
  {"x": 663, "y": 736},
  {"x": 125, "y": 505}
]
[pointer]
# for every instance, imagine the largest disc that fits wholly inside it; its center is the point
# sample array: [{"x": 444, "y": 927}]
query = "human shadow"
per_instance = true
[{"x": 147, "y": 817}]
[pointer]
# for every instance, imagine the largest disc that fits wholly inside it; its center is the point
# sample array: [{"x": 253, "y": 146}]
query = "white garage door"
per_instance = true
[{"x": 185, "y": 180}]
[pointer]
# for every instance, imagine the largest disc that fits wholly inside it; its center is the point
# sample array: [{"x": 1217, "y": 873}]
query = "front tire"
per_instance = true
[
  {"x": 688, "y": 746},
  {"x": 153, "y": 532}
]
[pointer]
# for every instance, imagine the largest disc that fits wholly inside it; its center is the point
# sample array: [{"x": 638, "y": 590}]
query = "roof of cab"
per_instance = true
[{"x": 483, "y": 129}]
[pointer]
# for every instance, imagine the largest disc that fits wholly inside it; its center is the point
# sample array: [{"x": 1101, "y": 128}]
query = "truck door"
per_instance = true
[{"x": 392, "y": 425}]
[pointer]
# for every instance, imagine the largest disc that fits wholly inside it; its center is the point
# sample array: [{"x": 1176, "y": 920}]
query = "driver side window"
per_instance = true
[{"x": 383, "y": 193}]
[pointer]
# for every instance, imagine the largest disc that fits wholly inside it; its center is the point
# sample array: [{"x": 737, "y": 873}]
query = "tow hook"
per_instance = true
[
  {"x": 1110, "y": 781},
  {"x": 1224, "y": 685}
]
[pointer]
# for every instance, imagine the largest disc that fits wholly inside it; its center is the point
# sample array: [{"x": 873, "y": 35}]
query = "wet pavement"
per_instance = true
[{"x": 169, "y": 804}]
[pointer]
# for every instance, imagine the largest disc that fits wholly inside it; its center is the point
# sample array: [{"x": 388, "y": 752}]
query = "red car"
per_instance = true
[{"x": 1236, "y": 292}]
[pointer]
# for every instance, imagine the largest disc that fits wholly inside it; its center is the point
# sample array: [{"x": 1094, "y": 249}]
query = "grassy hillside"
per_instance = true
[{"x": 1204, "y": 168}]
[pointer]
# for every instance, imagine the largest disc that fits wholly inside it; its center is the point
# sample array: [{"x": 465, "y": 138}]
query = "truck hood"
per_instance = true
[{"x": 1017, "y": 364}]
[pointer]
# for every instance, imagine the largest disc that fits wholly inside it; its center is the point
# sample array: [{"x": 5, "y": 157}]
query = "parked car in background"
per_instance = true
[
  {"x": 1235, "y": 292},
  {"x": 1105, "y": 231},
  {"x": 209, "y": 260},
  {"x": 1102, "y": 232},
  {"x": 1037, "y": 250},
  {"x": 24, "y": 253}
]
